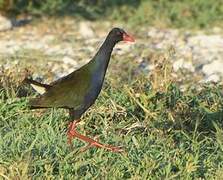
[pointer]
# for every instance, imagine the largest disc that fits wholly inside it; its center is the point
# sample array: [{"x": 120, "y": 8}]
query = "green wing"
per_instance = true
[{"x": 68, "y": 91}]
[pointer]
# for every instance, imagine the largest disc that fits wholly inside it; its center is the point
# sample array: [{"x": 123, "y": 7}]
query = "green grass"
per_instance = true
[
  {"x": 161, "y": 13},
  {"x": 166, "y": 134}
]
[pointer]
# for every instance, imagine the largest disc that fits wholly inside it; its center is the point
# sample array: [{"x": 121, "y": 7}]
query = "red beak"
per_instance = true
[{"x": 128, "y": 38}]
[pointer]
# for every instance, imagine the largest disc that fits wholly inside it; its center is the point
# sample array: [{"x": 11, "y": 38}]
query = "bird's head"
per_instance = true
[{"x": 118, "y": 34}]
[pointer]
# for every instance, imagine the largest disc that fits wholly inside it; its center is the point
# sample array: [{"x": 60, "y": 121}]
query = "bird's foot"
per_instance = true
[
  {"x": 72, "y": 132},
  {"x": 104, "y": 146}
]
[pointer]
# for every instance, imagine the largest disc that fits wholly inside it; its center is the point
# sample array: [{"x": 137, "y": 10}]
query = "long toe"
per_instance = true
[
  {"x": 115, "y": 149},
  {"x": 108, "y": 147}
]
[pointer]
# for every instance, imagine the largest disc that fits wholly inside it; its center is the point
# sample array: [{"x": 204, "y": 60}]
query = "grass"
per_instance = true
[
  {"x": 167, "y": 133},
  {"x": 160, "y": 13}
]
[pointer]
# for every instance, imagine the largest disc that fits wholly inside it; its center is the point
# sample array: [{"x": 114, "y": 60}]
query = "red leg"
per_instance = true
[
  {"x": 72, "y": 132},
  {"x": 71, "y": 127}
]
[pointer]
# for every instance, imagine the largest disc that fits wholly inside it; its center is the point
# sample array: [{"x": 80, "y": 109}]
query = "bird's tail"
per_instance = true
[{"x": 35, "y": 103}]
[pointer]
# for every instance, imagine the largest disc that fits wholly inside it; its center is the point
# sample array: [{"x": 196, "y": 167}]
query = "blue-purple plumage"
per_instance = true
[{"x": 79, "y": 90}]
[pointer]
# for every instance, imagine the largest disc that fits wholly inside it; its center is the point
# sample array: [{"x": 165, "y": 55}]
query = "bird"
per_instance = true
[{"x": 78, "y": 90}]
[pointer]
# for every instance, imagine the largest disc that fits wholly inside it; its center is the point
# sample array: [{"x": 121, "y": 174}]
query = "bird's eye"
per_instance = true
[{"x": 118, "y": 33}]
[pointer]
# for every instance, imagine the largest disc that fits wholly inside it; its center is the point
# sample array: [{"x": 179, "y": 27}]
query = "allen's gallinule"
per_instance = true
[{"x": 79, "y": 90}]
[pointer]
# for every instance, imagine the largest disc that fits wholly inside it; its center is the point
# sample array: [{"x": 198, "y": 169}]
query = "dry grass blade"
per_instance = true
[{"x": 131, "y": 93}]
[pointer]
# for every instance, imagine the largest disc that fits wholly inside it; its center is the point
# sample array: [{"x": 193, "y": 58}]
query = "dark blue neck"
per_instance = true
[{"x": 104, "y": 53}]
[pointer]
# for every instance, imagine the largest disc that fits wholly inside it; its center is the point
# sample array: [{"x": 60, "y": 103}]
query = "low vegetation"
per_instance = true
[
  {"x": 167, "y": 132},
  {"x": 161, "y": 13}
]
